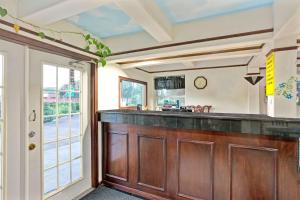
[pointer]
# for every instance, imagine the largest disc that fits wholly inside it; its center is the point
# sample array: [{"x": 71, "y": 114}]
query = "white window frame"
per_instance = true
[{"x": 59, "y": 189}]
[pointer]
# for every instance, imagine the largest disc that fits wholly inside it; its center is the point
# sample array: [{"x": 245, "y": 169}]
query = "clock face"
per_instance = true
[{"x": 200, "y": 82}]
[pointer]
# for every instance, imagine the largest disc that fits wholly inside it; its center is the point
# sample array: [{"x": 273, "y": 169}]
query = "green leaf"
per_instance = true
[
  {"x": 101, "y": 45},
  {"x": 102, "y": 61},
  {"x": 105, "y": 54},
  {"x": 99, "y": 53},
  {"x": 108, "y": 51},
  {"x": 3, "y": 12},
  {"x": 42, "y": 35},
  {"x": 87, "y": 48},
  {"x": 87, "y": 37},
  {"x": 95, "y": 42}
]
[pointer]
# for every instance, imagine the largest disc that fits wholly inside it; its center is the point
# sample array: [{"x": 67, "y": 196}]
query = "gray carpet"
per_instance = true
[{"x": 104, "y": 193}]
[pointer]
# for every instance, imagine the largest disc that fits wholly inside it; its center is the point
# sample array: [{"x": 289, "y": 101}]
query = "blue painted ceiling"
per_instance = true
[
  {"x": 109, "y": 20},
  {"x": 179, "y": 11},
  {"x": 106, "y": 21}
]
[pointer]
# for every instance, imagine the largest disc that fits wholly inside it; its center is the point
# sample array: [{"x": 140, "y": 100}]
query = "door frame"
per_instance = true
[{"x": 49, "y": 48}]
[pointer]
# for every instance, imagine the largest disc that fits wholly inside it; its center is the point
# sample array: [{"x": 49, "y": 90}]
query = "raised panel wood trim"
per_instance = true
[
  {"x": 127, "y": 157},
  {"x": 255, "y": 148},
  {"x": 198, "y": 142},
  {"x": 164, "y": 141}
]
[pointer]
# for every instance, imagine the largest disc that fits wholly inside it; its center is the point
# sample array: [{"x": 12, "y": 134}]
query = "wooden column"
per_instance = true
[{"x": 94, "y": 126}]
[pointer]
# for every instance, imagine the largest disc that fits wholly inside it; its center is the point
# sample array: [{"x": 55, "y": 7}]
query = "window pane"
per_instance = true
[
  {"x": 50, "y": 180},
  {"x": 63, "y": 103},
  {"x": 64, "y": 151},
  {"x": 75, "y": 125},
  {"x": 50, "y": 155},
  {"x": 132, "y": 93},
  {"x": 49, "y": 102},
  {"x": 49, "y": 77},
  {"x": 64, "y": 174},
  {"x": 75, "y": 146},
  {"x": 76, "y": 169},
  {"x": 75, "y": 80},
  {"x": 63, "y": 78},
  {"x": 50, "y": 129},
  {"x": 63, "y": 127},
  {"x": 75, "y": 102}
]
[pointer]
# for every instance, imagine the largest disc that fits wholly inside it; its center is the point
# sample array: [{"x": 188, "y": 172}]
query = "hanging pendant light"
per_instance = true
[{"x": 253, "y": 78}]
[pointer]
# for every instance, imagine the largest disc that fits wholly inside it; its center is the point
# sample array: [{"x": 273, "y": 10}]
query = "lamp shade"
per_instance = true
[{"x": 253, "y": 79}]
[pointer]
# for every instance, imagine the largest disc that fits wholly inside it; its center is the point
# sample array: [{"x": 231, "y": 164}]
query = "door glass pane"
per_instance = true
[
  {"x": 76, "y": 169},
  {"x": 61, "y": 128},
  {"x": 75, "y": 82},
  {"x": 50, "y": 155},
  {"x": 75, "y": 102},
  {"x": 50, "y": 132},
  {"x": 50, "y": 180},
  {"x": 49, "y": 77},
  {"x": 64, "y": 151},
  {"x": 64, "y": 174},
  {"x": 75, "y": 146},
  {"x": 63, "y": 102},
  {"x": 63, "y": 78},
  {"x": 75, "y": 125},
  {"x": 49, "y": 103}
]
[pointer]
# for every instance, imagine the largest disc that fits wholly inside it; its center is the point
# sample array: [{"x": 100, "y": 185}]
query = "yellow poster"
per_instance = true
[{"x": 270, "y": 75}]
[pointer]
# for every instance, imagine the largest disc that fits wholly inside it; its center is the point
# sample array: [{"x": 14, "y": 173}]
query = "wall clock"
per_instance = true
[{"x": 200, "y": 82}]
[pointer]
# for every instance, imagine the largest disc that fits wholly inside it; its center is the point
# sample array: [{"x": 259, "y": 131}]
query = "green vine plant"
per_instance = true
[{"x": 92, "y": 44}]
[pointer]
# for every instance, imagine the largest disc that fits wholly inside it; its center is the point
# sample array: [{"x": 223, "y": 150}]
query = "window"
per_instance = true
[
  {"x": 62, "y": 133},
  {"x": 2, "y": 126},
  {"x": 132, "y": 93}
]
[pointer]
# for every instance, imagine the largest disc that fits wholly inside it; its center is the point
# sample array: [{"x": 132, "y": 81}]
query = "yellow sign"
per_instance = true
[{"x": 270, "y": 75}]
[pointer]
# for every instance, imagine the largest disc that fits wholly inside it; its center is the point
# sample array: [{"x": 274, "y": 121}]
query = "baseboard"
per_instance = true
[
  {"x": 133, "y": 191},
  {"x": 84, "y": 194}
]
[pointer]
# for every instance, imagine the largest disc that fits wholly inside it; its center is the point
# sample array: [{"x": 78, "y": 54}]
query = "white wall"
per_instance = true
[
  {"x": 226, "y": 91},
  {"x": 108, "y": 84}
]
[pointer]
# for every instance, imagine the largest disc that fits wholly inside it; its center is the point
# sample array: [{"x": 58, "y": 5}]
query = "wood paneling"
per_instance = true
[
  {"x": 152, "y": 161},
  {"x": 161, "y": 163},
  {"x": 253, "y": 172},
  {"x": 94, "y": 126},
  {"x": 117, "y": 156},
  {"x": 195, "y": 169}
]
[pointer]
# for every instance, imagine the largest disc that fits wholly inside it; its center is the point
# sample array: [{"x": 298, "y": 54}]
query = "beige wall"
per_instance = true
[
  {"x": 227, "y": 91},
  {"x": 108, "y": 82}
]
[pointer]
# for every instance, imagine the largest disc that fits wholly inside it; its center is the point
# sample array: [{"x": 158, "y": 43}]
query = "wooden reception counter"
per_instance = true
[{"x": 167, "y": 155}]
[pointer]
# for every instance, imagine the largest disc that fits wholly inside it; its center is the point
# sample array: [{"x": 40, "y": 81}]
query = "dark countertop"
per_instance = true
[{"x": 222, "y": 122}]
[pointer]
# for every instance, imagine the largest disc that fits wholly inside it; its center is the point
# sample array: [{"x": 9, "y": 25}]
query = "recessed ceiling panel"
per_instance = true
[
  {"x": 106, "y": 21},
  {"x": 179, "y": 11}
]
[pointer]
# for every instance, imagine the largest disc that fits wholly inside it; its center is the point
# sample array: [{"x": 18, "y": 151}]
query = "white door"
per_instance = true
[
  {"x": 59, "y": 130},
  {"x": 12, "y": 137}
]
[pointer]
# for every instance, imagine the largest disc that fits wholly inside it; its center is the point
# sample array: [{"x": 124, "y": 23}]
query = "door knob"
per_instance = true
[{"x": 31, "y": 147}]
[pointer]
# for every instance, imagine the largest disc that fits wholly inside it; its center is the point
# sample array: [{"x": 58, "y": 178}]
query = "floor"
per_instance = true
[{"x": 105, "y": 193}]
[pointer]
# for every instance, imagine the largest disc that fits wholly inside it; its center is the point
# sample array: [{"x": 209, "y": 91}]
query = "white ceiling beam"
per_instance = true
[
  {"x": 240, "y": 54},
  {"x": 188, "y": 64},
  {"x": 62, "y": 10},
  {"x": 148, "y": 15}
]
